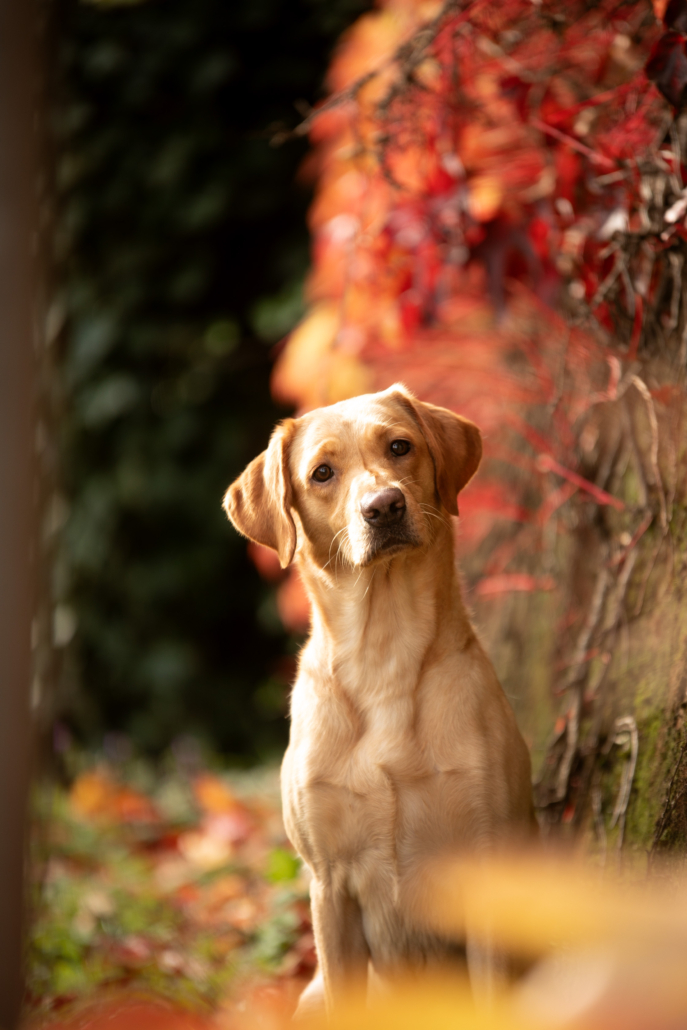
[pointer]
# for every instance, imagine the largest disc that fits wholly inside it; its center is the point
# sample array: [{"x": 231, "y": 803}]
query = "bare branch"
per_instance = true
[{"x": 408, "y": 54}]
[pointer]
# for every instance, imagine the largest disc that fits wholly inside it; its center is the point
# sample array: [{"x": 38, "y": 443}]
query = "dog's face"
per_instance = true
[
  {"x": 362, "y": 480},
  {"x": 367, "y": 478}
]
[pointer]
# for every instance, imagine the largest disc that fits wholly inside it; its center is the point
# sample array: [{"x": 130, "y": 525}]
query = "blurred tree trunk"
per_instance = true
[{"x": 18, "y": 190}]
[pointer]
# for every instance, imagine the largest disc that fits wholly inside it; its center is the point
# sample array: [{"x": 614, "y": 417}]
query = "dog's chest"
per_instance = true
[
  {"x": 349, "y": 789},
  {"x": 363, "y": 783}
]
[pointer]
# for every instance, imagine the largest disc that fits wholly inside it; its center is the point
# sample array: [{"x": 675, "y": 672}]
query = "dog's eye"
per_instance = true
[
  {"x": 322, "y": 473},
  {"x": 400, "y": 447}
]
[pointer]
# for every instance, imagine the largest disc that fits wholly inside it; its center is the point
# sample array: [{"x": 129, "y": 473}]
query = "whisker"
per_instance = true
[
  {"x": 343, "y": 540},
  {"x": 430, "y": 507},
  {"x": 332, "y": 544},
  {"x": 431, "y": 515},
  {"x": 370, "y": 583},
  {"x": 431, "y": 512}
]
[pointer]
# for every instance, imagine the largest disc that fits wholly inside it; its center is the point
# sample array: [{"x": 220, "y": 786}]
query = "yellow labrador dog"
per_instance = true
[{"x": 403, "y": 744}]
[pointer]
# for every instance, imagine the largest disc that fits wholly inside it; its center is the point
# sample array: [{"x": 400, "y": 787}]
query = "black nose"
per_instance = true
[{"x": 383, "y": 506}]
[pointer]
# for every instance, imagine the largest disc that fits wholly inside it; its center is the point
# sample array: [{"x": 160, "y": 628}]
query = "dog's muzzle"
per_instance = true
[
  {"x": 389, "y": 528},
  {"x": 383, "y": 508}
]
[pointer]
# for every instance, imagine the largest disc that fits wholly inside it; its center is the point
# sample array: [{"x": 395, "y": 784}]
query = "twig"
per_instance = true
[
  {"x": 672, "y": 439},
  {"x": 625, "y": 725},
  {"x": 574, "y": 144},
  {"x": 623, "y": 580},
  {"x": 492, "y": 49},
  {"x": 637, "y": 536},
  {"x": 676, "y": 262},
  {"x": 629, "y": 288},
  {"x": 605, "y": 285},
  {"x": 545, "y": 463},
  {"x": 616, "y": 611},
  {"x": 636, "y": 457},
  {"x": 591, "y": 622},
  {"x": 611, "y": 627},
  {"x": 576, "y": 678},
  {"x": 645, "y": 582},
  {"x": 410, "y": 53},
  {"x": 607, "y": 463},
  {"x": 643, "y": 389},
  {"x": 572, "y": 736}
]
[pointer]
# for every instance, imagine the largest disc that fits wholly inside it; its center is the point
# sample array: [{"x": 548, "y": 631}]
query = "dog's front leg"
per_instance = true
[{"x": 342, "y": 950}]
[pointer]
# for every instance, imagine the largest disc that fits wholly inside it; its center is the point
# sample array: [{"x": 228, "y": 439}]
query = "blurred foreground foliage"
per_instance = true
[
  {"x": 170, "y": 900},
  {"x": 173, "y": 881},
  {"x": 180, "y": 249}
]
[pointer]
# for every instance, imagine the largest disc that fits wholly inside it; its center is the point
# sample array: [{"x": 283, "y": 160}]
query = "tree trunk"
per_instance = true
[{"x": 18, "y": 189}]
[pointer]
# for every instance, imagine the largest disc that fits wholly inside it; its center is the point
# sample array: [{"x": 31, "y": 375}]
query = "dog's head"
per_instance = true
[{"x": 363, "y": 479}]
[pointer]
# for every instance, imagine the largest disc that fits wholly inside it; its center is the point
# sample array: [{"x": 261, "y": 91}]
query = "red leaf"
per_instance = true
[
  {"x": 508, "y": 582},
  {"x": 545, "y": 463}
]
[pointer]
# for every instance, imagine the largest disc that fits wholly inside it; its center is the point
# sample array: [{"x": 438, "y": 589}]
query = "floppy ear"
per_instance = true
[
  {"x": 455, "y": 445},
  {"x": 258, "y": 503}
]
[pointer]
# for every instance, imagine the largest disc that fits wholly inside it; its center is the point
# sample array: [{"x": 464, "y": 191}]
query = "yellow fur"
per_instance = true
[{"x": 402, "y": 744}]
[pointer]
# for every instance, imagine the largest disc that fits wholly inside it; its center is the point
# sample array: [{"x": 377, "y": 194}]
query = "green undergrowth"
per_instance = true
[{"x": 188, "y": 889}]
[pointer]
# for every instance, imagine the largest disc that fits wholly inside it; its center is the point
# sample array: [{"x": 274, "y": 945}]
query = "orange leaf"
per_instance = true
[
  {"x": 485, "y": 197},
  {"x": 95, "y": 795},
  {"x": 213, "y": 795}
]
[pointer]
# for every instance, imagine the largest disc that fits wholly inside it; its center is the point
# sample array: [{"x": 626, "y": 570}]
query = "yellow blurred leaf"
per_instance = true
[
  {"x": 425, "y": 1004},
  {"x": 90, "y": 793},
  {"x": 347, "y": 377},
  {"x": 297, "y": 374},
  {"x": 484, "y": 198},
  {"x": 530, "y": 904},
  {"x": 213, "y": 795}
]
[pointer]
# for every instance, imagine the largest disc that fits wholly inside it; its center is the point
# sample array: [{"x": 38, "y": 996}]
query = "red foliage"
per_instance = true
[
  {"x": 96, "y": 795},
  {"x": 472, "y": 197}
]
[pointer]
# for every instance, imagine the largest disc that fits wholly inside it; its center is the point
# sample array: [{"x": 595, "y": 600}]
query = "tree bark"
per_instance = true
[{"x": 18, "y": 222}]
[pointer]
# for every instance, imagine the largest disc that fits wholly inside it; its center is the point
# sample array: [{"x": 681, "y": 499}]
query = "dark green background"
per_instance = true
[{"x": 179, "y": 256}]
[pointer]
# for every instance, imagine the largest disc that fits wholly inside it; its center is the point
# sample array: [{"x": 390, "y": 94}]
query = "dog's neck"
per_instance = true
[{"x": 376, "y": 625}]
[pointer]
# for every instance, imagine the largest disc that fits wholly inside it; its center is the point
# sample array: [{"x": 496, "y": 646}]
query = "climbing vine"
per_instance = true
[{"x": 499, "y": 222}]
